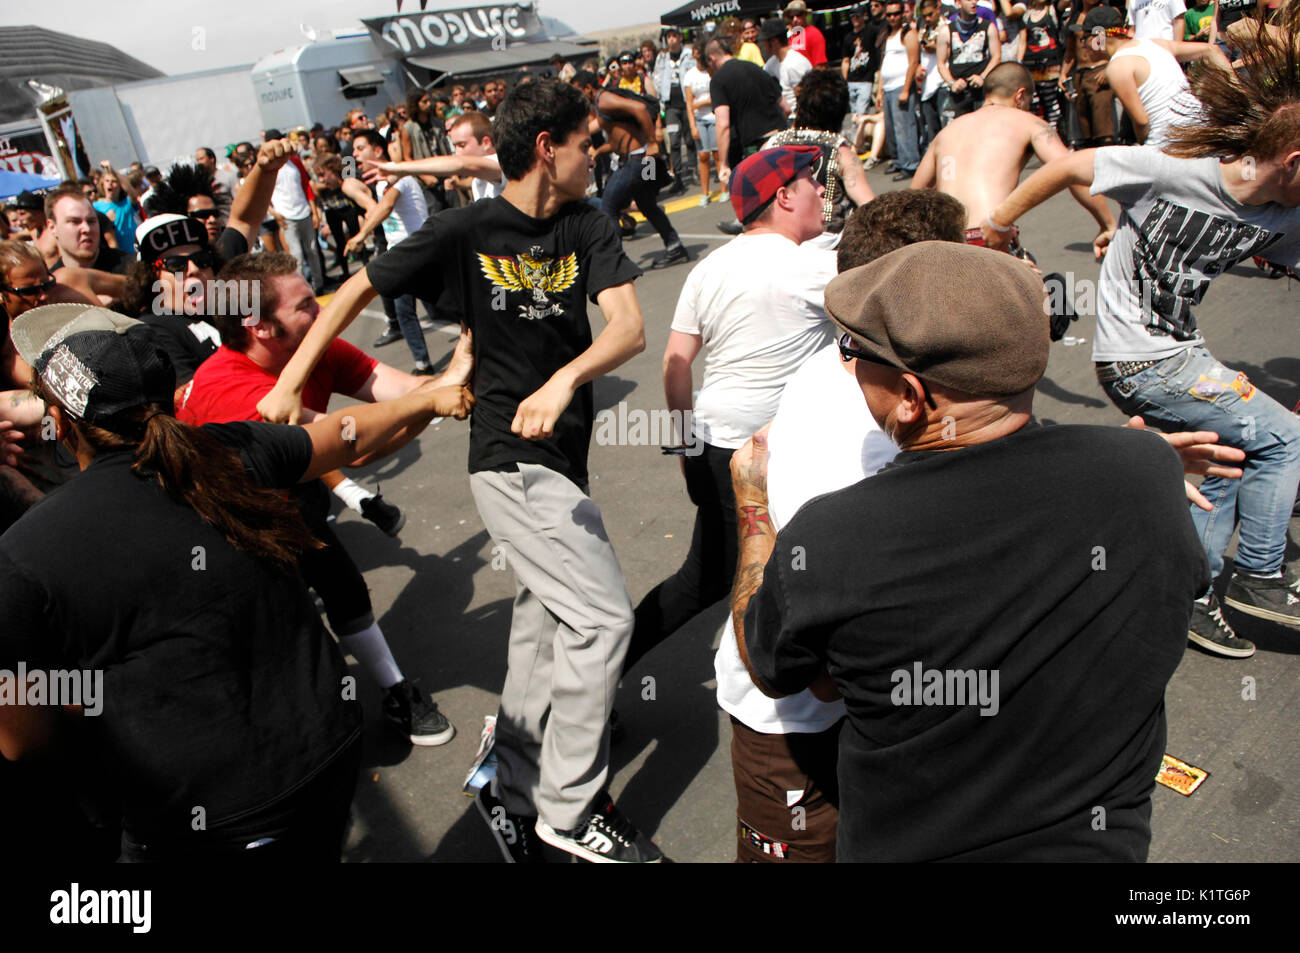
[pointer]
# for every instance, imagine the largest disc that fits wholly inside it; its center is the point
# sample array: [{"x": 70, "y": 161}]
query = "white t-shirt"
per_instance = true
[
  {"x": 483, "y": 189},
  {"x": 788, "y": 72},
  {"x": 409, "y": 212},
  {"x": 698, "y": 81},
  {"x": 1154, "y": 19},
  {"x": 893, "y": 65},
  {"x": 822, "y": 440},
  {"x": 1165, "y": 95},
  {"x": 1178, "y": 229},
  {"x": 289, "y": 199},
  {"x": 758, "y": 304}
]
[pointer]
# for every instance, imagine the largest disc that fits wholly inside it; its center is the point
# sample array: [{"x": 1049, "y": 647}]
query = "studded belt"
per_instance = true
[{"x": 1120, "y": 369}]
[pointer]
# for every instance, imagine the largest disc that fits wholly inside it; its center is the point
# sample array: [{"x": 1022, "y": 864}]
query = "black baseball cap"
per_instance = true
[
  {"x": 96, "y": 363},
  {"x": 771, "y": 29},
  {"x": 273, "y": 134},
  {"x": 29, "y": 202},
  {"x": 1099, "y": 18}
]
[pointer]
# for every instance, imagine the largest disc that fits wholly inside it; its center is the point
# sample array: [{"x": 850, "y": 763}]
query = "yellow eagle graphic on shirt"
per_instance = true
[{"x": 533, "y": 272}]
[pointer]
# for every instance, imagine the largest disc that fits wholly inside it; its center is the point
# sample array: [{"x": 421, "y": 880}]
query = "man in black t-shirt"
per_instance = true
[
  {"x": 519, "y": 269},
  {"x": 861, "y": 56},
  {"x": 1002, "y": 658},
  {"x": 746, "y": 106}
]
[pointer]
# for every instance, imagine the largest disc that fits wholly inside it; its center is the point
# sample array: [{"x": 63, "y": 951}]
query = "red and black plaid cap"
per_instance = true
[{"x": 754, "y": 182}]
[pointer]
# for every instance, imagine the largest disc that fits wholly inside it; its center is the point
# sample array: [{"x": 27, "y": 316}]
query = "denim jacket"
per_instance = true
[{"x": 663, "y": 72}]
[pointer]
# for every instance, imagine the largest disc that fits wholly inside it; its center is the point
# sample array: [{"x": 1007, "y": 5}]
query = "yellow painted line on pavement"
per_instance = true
[{"x": 683, "y": 203}]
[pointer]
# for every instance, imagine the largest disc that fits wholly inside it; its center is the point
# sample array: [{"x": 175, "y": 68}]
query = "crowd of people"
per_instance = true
[{"x": 168, "y": 366}]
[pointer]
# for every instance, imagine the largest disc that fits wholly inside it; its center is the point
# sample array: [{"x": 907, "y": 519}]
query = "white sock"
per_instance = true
[
  {"x": 352, "y": 494},
  {"x": 370, "y": 648}
]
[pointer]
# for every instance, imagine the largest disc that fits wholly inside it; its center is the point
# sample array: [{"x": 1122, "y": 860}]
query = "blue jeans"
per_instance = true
[
  {"x": 900, "y": 123},
  {"x": 630, "y": 184},
  {"x": 409, "y": 323},
  {"x": 1193, "y": 391},
  {"x": 859, "y": 97}
]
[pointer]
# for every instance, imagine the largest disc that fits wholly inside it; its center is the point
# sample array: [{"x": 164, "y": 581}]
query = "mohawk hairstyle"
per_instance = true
[
  {"x": 181, "y": 182},
  {"x": 1255, "y": 111}
]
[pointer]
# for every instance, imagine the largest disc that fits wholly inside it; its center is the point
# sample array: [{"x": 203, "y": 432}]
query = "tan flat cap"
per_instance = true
[{"x": 961, "y": 316}]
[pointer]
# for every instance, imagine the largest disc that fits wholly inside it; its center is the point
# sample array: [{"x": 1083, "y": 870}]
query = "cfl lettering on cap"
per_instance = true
[{"x": 163, "y": 237}]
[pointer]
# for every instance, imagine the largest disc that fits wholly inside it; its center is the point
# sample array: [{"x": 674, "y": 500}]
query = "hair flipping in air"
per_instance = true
[{"x": 1254, "y": 112}]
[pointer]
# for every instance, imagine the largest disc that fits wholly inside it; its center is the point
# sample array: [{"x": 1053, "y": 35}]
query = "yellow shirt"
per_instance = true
[{"x": 749, "y": 51}]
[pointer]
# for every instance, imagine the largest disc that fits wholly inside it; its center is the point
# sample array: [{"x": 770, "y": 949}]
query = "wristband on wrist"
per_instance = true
[{"x": 995, "y": 226}]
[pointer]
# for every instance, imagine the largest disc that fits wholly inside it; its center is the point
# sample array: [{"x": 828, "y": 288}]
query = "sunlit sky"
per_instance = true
[{"x": 163, "y": 33}]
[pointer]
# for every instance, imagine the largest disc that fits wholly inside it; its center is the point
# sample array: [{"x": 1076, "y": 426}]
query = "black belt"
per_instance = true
[{"x": 1117, "y": 370}]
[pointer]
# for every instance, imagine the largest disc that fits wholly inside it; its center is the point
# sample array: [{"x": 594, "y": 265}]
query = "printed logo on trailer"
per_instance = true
[{"x": 532, "y": 272}]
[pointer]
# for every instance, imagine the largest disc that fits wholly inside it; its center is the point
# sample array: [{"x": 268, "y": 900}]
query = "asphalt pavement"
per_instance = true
[{"x": 445, "y": 606}]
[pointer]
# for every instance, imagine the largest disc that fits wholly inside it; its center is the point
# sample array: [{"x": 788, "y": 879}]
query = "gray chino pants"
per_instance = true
[{"x": 569, "y": 632}]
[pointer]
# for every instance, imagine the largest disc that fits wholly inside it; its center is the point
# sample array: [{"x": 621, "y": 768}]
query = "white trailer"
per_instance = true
[
  {"x": 320, "y": 82},
  {"x": 161, "y": 121}
]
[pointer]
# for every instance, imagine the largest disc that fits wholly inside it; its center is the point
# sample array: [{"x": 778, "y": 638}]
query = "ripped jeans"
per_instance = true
[{"x": 1193, "y": 391}]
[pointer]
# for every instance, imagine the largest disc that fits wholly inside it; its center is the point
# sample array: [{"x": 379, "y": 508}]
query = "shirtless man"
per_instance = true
[
  {"x": 629, "y": 130},
  {"x": 978, "y": 158},
  {"x": 1147, "y": 79}
]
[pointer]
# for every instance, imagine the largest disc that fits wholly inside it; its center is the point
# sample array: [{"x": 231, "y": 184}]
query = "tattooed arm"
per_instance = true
[{"x": 757, "y": 538}]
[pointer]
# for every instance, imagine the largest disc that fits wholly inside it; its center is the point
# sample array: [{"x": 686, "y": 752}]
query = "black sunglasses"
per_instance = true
[
  {"x": 29, "y": 290},
  {"x": 202, "y": 259},
  {"x": 849, "y": 353},
  {"x": 203, "y": 214}
]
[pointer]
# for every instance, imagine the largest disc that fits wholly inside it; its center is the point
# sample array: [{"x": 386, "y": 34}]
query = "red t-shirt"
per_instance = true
[
  {"x": 228, "y": 385},
  {"x": 810, "y": 42}
]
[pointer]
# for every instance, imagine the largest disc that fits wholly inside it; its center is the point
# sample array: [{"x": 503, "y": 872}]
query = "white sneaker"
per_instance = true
[{"x": 704, "y": 200}]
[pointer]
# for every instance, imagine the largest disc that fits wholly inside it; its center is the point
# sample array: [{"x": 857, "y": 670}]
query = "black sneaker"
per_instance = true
[
  {"x": 626, "y": 225},
  {"x": 1277, "y": 600},
  {"x": 1211, "y": 631},
  {"x": 383, "y": 514},
  {"x": 671, "y": 256},
  {"x": 411, "y": 712},
  {"x": 388, "y": 337},
  {"x": 515, "y": 834},
  {"x": 426, "y": 370},
  {"x": 732, "y": 227},
  {"x": 607, "y": 837}
]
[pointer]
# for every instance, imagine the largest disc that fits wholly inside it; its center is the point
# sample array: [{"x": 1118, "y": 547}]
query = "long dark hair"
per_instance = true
[
  {"x": 1253, "y": 112},
  {"x": 198, "y": 470}
]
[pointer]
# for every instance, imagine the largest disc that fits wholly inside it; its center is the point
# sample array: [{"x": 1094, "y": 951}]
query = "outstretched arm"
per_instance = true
[
  {"x": 361, "y": 433},
  {"x": 248, "y": 211},
  {"x": 1076, "y": 168},
  {"x": 480, "y": 167}
]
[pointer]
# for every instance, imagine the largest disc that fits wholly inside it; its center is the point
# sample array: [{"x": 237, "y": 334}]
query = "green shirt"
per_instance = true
[{"x": 1196, "y": 19}]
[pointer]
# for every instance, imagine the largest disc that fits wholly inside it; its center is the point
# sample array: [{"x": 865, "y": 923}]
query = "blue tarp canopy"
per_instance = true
[{"x": 11, "y": 183}]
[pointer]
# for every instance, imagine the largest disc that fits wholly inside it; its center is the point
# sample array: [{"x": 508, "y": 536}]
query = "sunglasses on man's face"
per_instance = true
[
  {"x": 850, "y": 353},
  {"x": 203, "y": 214},
  {"x": 28, "y": 290},
  {"x": 178, "y": 263}
]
